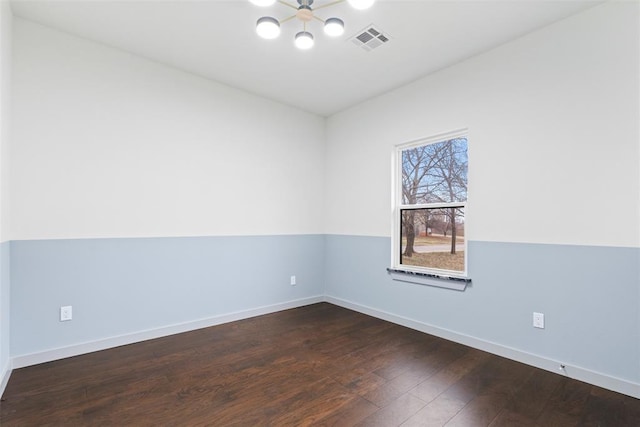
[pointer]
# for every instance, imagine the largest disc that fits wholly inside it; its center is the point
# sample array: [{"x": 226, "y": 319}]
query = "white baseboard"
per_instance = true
[
  {"x": 106, "y": 343},
  {"x": 5, "y": 373},
  {"x": 575, "y": 372}
]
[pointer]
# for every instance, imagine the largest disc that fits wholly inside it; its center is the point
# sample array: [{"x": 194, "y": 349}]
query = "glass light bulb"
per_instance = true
[
  {"x": 268, "y": 27},
  {"x": 304, "y": 40},
  {"x": 334, "y": 27},
  {"x": 262, "y": 3},
  {"x": 361, "y": 4}
]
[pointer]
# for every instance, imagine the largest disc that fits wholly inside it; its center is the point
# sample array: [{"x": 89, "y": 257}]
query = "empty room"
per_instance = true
[{"x": 297, "y": 212}]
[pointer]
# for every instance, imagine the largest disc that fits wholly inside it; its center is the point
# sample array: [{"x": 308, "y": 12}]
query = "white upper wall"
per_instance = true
[
  {"x": 554, "y": 148},
  {"x": 108, "y": 144}
]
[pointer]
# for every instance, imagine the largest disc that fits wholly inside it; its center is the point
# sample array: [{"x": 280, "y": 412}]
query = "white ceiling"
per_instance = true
[{"x": 216, "y": 39}]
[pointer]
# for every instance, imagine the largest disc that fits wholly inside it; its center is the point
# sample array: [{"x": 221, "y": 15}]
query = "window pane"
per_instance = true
[
  {"x": 435, "y": 173},
  {"x": 433, "y": 238}
]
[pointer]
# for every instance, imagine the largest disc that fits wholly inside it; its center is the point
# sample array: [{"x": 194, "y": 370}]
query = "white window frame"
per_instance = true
[{"x": 415, "y": 274}]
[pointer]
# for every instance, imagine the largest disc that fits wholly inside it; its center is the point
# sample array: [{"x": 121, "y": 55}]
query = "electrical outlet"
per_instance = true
[
  {"x": 293, "y": 280},
  {"x": 538, "y": 320},
  {"x": 66, "y": 313}
]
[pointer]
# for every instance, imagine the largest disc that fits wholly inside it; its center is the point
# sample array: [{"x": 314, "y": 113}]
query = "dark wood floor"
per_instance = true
[{"x": 316, "y": 365}]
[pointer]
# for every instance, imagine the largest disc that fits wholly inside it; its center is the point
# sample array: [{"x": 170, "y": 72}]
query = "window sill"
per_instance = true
[{"x": 441, "y": 281}]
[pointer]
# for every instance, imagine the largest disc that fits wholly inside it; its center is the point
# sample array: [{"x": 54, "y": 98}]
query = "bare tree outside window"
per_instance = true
[{"x": 434, "y": 194}]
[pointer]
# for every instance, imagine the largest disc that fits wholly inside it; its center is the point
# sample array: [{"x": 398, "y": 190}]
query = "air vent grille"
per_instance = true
[
  {"x": 364, "y": 37},
  {"x": 370, "y": 38},
  {"x": 373, "y": 31}
]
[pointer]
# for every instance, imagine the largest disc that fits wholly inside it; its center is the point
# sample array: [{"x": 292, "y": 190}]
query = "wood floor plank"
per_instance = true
[
  {"x": 360, "y": 382},
  {"x": 423, "y": 368},
  {"x": 502, "y": 386},
  {"x": 566, "y": 404},
  {"x": 509, "y": 418},
  {"x": 482, "y": 410},
  {"x": 432, "y": 387},
  {"x": 436, "y": 413},
  {"x": 604, "y": 408},
  {"x": 383, "y": 395},
  {"x": 318, "y": 365},
  {"x": 534, "y": 394},
  {"x": 349, "y": 415},
  {"x": 395, "y": 413}
]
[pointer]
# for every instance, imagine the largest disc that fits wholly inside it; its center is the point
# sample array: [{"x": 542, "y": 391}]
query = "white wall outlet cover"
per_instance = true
[
  {"x": 538, "y": 320},
  {"x": 66, "y": 313},
  {"x": 293, "y": 280}
]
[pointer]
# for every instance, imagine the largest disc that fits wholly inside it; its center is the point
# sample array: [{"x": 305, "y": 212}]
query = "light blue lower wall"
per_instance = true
[
  {"x": 124, "y": 286},
  {"x": 590, "y": 297},
  {"x": 5, "y": 297}
]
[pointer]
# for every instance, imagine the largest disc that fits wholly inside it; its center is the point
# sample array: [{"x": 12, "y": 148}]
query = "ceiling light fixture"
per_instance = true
[
  {"x": 304, "y": 40},
  {"x": 360, "y": 4},
  {"x": 269, "y": 28},
  {"x": 263, "y": 3},
  {"x": 334, "y": 27}
]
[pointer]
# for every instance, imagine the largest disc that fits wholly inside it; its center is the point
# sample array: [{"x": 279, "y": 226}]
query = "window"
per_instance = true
[{"x": 430, "y": 204}]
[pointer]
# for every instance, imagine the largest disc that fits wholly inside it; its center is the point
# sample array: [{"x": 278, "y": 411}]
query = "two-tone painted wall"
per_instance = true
[
  {"x": 155, "y": 201},
  {"x": 553, "y": 215}
]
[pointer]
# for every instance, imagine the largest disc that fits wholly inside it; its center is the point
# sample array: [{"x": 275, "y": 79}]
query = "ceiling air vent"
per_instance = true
[{"x": 370, "y": 38}]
